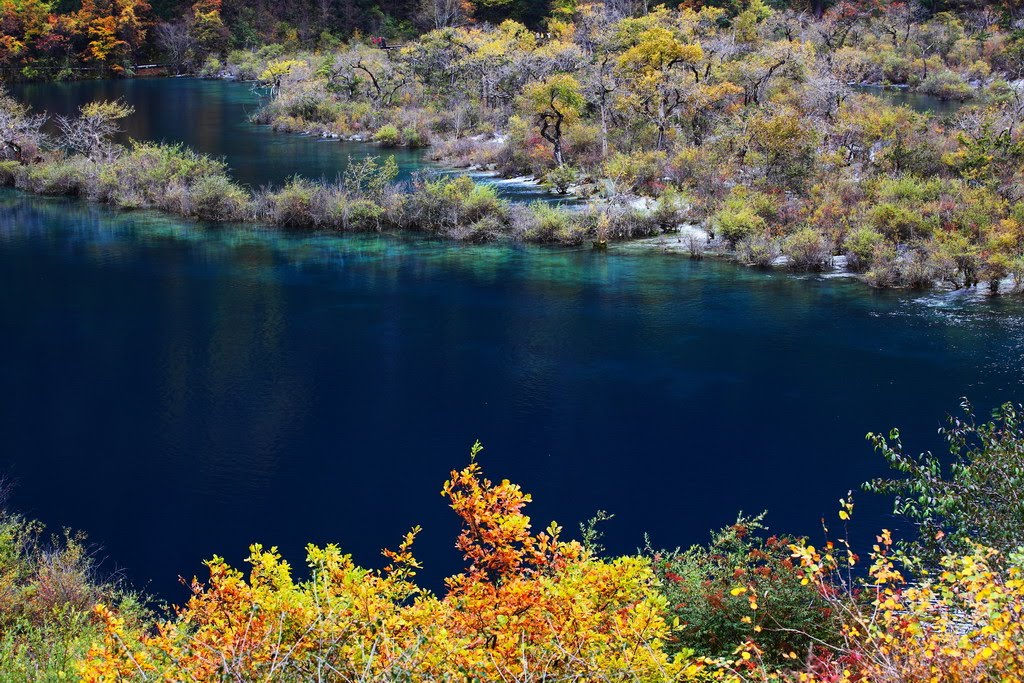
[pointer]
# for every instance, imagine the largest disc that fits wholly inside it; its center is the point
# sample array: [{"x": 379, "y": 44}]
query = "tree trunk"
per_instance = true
[{"x": 604, "y": 129}]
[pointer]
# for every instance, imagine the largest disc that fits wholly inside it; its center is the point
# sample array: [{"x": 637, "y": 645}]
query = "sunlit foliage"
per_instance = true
[{"x": 529, "y": 606}]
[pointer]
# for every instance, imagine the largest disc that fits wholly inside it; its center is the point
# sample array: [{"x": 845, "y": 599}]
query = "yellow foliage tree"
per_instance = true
[
  {"x": 114, "y": 29},
  {"x": 528, "y": 607}
]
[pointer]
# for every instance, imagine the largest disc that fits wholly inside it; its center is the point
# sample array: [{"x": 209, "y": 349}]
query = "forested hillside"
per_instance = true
[{"x": 57, "y": 38}]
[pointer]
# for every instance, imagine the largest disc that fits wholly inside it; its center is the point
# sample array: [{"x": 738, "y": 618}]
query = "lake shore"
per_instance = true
[{"x": 181, "y": 182}]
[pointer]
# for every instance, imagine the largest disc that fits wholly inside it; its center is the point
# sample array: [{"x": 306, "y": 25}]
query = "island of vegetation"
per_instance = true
[
  {"x": 732, "y": 128},
  {"x": 944, "y": 605}
]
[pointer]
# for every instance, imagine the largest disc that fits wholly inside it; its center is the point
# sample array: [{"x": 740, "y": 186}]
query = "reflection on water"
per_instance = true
[
  {"x": 179, "y": 390},
  {"x": 213, "y": 117}
]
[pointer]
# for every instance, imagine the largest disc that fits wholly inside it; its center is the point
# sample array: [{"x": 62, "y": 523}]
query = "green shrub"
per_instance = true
[
  {"x": 411, "y": 137},
  {"x": 483, "y": 200},
  {"x": 359, "y": 214},
  {"x": 902, "y": 267},
  {"x": 735, "y": 223},
  {"x": 560, "y": 178},
  {"x": 48, "y": 588},
  {"x": 147, "y": 170},
  {"x": 757, "y": 250},
  {"x": 444, "y": 204},
  {"x": 216, "y": 198},
  {"x": 551, "y": 223},
  {"x": 860, "y": 246},
  {"x": 486, "y": 229},
  {"x": 671, "y": 209},
  {"x": 909, "y": 189},
  {"x": 388, "y": 135},
  {"x": 636, "y": 171},
  {"x": 900, "y": 223},
  {"x": 972, "y": 496},
  {"x": 711, "y": 591},
  {"x": 211, "y": 67},
  {"x": 292, "y": 205},
  {"x": 629, "y": 223},
  {"x": 960, "y": 258},
  {"x": 808, "y": 250},
  {"x": 63, "y": 177},
  {"x": 8, "y": 171},
  {"x": 946, "y": 85}
]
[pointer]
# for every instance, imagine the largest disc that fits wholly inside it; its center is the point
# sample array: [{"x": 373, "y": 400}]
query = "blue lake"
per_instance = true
[{"x": 178, "y": 390}]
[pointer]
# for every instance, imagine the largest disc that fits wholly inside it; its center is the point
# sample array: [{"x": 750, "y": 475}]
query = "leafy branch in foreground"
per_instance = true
[
  {"x": 744, "y": 589},
  {"x": 976, "y": 496}
]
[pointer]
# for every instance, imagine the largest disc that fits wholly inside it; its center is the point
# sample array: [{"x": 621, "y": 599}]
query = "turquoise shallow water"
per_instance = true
[{"x": 179, "y": 390}]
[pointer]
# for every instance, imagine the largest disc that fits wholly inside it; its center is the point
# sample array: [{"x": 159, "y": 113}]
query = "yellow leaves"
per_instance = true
[
  {"x": 657, "y": 50},
  {"x": 510, "y": 38},
  {"x": 278, "y": 68},
  {"x": 964, "y": 624},
  {"x": 109, "y": 110},
  {"x": 403, "y": 563},
  {"x": 525, "y": 601},
  {"x": 560, "y": 93}
]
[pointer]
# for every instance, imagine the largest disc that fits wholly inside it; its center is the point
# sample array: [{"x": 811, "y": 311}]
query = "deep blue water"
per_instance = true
[{"x": 178, "y": 390}]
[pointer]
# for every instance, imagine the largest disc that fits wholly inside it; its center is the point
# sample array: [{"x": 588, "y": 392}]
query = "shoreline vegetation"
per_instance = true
[
  {"x": 942, "y": 604},
  {"x": 730, "y": 129},
  {"x": 85, "y": 163}
]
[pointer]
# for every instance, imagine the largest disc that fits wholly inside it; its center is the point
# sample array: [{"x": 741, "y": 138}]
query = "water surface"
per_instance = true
[
  {"x": 212, "y": 117},
  {"x": 919, "y": 102},
  {"x": 178, "y": 390}
]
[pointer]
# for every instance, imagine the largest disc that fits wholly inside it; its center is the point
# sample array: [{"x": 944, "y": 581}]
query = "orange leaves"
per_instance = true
[
  {"x": 528, "y": 603},
  {"x": 403, "y": 563},
  {"x": 496, "y": 539},
  {"x": 531, "y": 607},
  {"x": 115, "y": 29}
]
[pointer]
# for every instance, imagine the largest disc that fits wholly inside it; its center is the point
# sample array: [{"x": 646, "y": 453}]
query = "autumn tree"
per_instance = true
[
  {"x": 655, "y": 71},
  {"x": 113, "y": 30},
  {"x": 527, "y": 602},
  {"x": 24, "y": 25},
  {"x": 784, "y": 146},
  {"x": 91, "y": 132},
  {"x": 208, "y": 32},
  {"x": 370, "y": 74},
  {"x": 554, "y": 103}
]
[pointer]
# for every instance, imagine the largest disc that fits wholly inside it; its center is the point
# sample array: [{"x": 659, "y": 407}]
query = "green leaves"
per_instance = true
[{"x": 976, "y": 495}]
